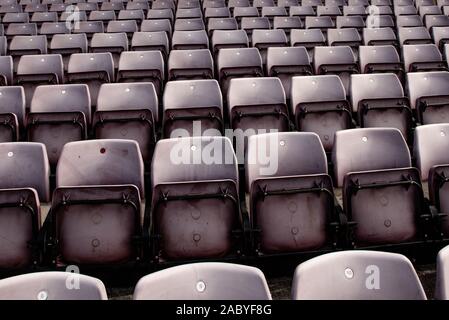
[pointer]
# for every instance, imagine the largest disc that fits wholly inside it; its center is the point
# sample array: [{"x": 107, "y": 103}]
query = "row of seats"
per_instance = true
[
  {"x": 195, "y": 206},
  {"x": 346, "y": 275},
  {"x": 59, "y": 114}
]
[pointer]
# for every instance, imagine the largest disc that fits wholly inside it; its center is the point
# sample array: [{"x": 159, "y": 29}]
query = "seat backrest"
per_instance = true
[
  {"x": 285, "y": 152},
  {"x": 377, "y": 55},
  {"x": 62, "y": 41},
  {"x": 332, "y": 56},
  {"x": 358, "y": 150},
  {"x": 276, "y": 37},
  {"x": 52, "y": 285},
  {"x": 141, "y": 60},
  {"x": 233, "y": 37},
  {"x": 25, "y": 165},
  {"x": 412, "y": 34},
  {"x": 189, "y": 24},
  {"x": 357, "y": 275},
  {"x": 378, "y": 34},
  {"x": 300, "y": 37},
  {"x": 51, "y": 28},
  {"x": 374, "y": 86},
  {"x": 291, "y": 56},
  {"x": 430, "y": 147},
  {"x": 109, "y": 40},
  {"x": 12, "y": 100},
  {"x": 128, "y": 96},
  {"x": 122, "y": 26},
  {"x": 88, "y": 27},
  {"x": 239, "y": 58},
  {"x": 41, "y": 64},
  {"x": 92, "y": 62},
  {"x": 442, "y": 270},
  {"x": 426, "y": 84},
  {"x": 62, "y": 98},
  {"x": 14, "y": 29},
  {"x": 22, "y": 43},
  {"x": 420, "y": 53},
  {"x": 101, "y": 162},
  {"x": 316, "y": 88},
  {"x": 409, "y": 21},
  {"x": 207, "y": 280},
  {"x": 190, "y": 38}
]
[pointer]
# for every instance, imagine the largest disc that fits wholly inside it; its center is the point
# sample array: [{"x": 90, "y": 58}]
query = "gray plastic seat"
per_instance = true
[
  {"x": 357, "y": 275},
  {"x": 137, "y": 15},
  {"x": 214, "y": 4},
  {"x": 119, "y": 26},
  {"x": 35, "y": 7},
  {"x": 35, "y": 70},
  {"x": 222, "y": 39},
  {"x": 138, "y": 5},
  {"x": 190, "y": 64},
  {"x": 442, "y": 285},
  {"x": 429, "y": 10},
  {"x": 6, "y": 70},
  {"x": 12, "y": 113},
  {"x": 189, "y": 24},
  {"x": 289, "y": 217},
  {"x": 206, "y": 231},
  {"x": 302, "y": 12},
  {"x": 355, "y": 11},
  {"x": 66, "y": 44},
  {"x": 322, "y": 23},
  {"x": 405, "y": 10},
  {"x": 432, "y": 21},
  {"x": 345, "y": 37},
  {"x": 432, "y": 159},
  {"x": 287, "y": 24},
  {"x": 221, "y": 24},
  {"x": 188, "y": 4},
  {"x": 287, "y": 3},
  {"x": 376, "y": 21},
  {"x": 238, "y": 63},
  {"x": 188, "y": 13},
  {"x": 112, "y": 6},
  {"x": 142, "y": 66},
  {"x": 24, "y": 183},
  {"x": 414, "y": 35},
  {"x": 422, "y": 57},
  {"x": 89, "y": 28},
  {"x": 160, "y": 14},
  {"x": 128, "y": 111},
  {"x": 11, "y": 8},
  {"x": 207, "y": 280},
  {"x": 41, "y": 17},
  {"x": 356, "y": 22},
  {"x": 409, "y": 21},
  {"x": 107, "y": 172},
  {"x": 192, "y": 108},
  {"x": 259, "y": 4},
  {"x": 428, "y": 93},
  {"x": 373, "y": 182},
  {"x": 51, "y": 285},
  {"x": 146, "y": 41},
  {"x": 88, "y": 6},
  {"x": 216, "y": 13},
  {"x": 273, "y": 11},
  {"x": 440, "y": 36},
  {"x": 380, "y": 59},
  {"x": 264, "y": 39},
  {"x": 319, "y": 105},
  {"x": 13, "y": 17},
  {"x": 102, "y": 15},
  {"x": 190, "y": 40},
  {"x": 379, "y": 101},
  {"x": 257, "y": 105},
  {"x": 114, "y": 43},
  {"x": 335, "y": 60},
  {"x": 3, "y": 46},
  {"x": 312, "y": 3},
  {"x": 249, "y": 24},
  {"x": 59, "y": 114},
  {"x": 92, "y": 69},
  {"x": 155, "y": 25},
  {"x": 308, "y": 39},
  {"x": 379, "y": 36},
  {"x": 51, "y": 28},
  {"x": 286, "y": 63},
  {"x": 328, "y": 11}
]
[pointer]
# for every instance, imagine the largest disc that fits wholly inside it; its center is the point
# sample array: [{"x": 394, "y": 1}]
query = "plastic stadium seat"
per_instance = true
[
  {"x": 259, "y": 4},
  {"x": 6, "y": 70},
  {"x": 41, "y": 17},
  {"x": 432, "y": 21},
  {"x": 232, "y": 4},
  {"x": 188, "y": 4},
  {"x": 88, "y": 6},
  {"x": 221, "y": 24},
  {"x": 127, "y": 26},
  {"x": 345, "y": 37},
  {"x": 35, "y": 70},
  {"x": 79, "y": 16},
  {"x": 146, "y": 41},
  {"x": 114, "y": 43},
  {"x": 290, "y": 213},
  {"x": 103, "y": 16},
  {"x": 138, "y": 5},
  {"x": 422, "y": 57},
  {"x": 189, "y": 13},
  {"x": 335, "y": 3},
  {"x": 440, "y": 36},
  {"x": 12, "y": 112},
  {"x": 189, "y": 24},
  {"x": 191, "y": 107},
  {"x": 207, "y": 231},
  {"x": 406, "y": 10},
  {"x": 21, "y": 29},
  {"x": 51, "y": 285},
  {"x": 264, "y": 39},
  {"x": 13, "y": 8},
  {"x": 214, "y": 4},
  {"x": 35, "y": 7},
  {"x": 414, "y": 35},
  {"x": 25, "y": 45},
  {"x": 335, "y": 60},
  {"x": 59, "y": 8},
  {"x": 432, "y": 158},
  {"x": 428, "y": 93},
  {"x": 429, "y": 10},
  {"x": 287, "y": 24},
  {"x": 379, "y": 36},
  {"x": 108, "y": 178},
  {"x": 161, "y": 14},
  {"x": 157, "y": 25},
  {"x": 380, "y": 59},
  {"x": 364, "y": 3},
  {"x": 128, "y": 111},
  {"x": 207, "y": 280},
  {"x": 58, "y": 114},
  {"x": 89, "y": 28},
  {"x": 379, "y": 101},
  {"x": 355, "y": 11},
  {"x": 442, "y": 282},
  {"x": 319, "y": 105},
  {"x": 272, "y": 12},
  {"x": 222, "y": 12},
  {"x": 190, "y": 40},
  {"x": 142, "y": 66},
  {"x": 245, "y": 12},
  {"x": 24, "y": 182},
  {"x": 131, "y": 15},
  {"x": 3, "y": 45},
  {"x": 350, "y": 22},
  {"x": 66, "y": 44},
  {"x": 92, "y": 69},
  {"x": 312, "y": 3},
  {"x": 302, "y": 12},
  {"x": 238, "y": 63},
  {"x": 288, "y": 3},
  {"x": 257, "y": 105},
  {"x": 19, "y": 17},
  {"x": 308, "y": 39},
  {"x": 250, "y": 24},
  {"x": 374, "y": 193},
  {"x": 328, "y": 11},
  {"x": 164, "y": 5},
  {"x": 112, "y": 6},
  {"x": 322, "y": 23},
  {"x": 190, "y": 64},
  {"x": 51, "y": 28},
  {"x": 228, "y": 39},
  {"x": 357, "y": 275},
  {"x": 285, "y": 63},
  {"x": 409, "y": 21}
]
